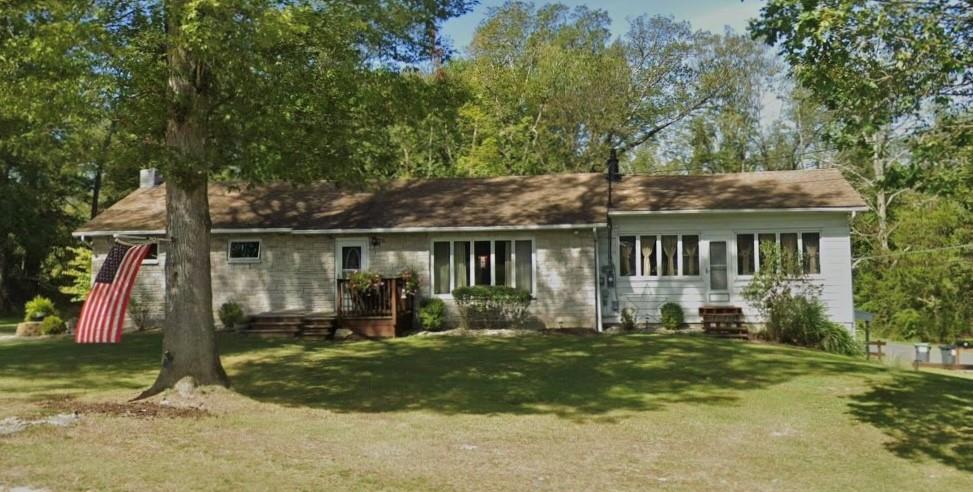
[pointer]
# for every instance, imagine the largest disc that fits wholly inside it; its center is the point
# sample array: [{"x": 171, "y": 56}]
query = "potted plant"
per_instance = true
[
  {"x": 410, "y": 282},
  {"x": 363, "y": 286}
]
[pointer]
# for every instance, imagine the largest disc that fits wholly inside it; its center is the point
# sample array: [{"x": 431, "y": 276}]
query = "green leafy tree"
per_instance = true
[
  {"x": 242, "y": 89},
  {"x": 922, "y": 291},
  {"x": 878, "y": 67}
]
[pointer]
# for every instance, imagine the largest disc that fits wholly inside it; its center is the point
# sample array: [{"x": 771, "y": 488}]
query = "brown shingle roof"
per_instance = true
[
  {"x": 556, "y": 199},
  {"x": 457, "y": 202},
  {"x": 818, "y": 188}
]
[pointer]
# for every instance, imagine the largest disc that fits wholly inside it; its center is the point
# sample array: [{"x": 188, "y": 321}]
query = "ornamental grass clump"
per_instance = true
[
  {"x": 492, "y": 307},
  {"x": 39, "y": 308}
]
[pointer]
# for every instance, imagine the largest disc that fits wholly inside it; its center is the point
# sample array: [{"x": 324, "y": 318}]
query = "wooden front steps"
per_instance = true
[
  {"x": 724, "y": 322},
  {"x": 293, "y": 323}
]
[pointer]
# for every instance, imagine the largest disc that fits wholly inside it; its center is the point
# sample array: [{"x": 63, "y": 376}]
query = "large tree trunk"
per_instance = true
[{"x": 189, "y": 340}]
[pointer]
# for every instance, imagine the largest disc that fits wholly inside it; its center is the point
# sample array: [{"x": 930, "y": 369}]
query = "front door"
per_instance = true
[
  {"x": 351, "y": 255},
  {"x": 717, "y": 273}
]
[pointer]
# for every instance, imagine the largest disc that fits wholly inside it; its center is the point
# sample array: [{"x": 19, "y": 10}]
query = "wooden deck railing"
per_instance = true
[{"x": 387, "y": 301}]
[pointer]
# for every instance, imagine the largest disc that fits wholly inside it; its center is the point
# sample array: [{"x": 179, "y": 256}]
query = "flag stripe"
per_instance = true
[
  {"x": 103, "y": 314},
  {"x": 114, "y": 333}
]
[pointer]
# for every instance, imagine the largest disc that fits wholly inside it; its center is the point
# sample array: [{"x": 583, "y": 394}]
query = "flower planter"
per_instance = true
[{"x": 29, "y": 329}]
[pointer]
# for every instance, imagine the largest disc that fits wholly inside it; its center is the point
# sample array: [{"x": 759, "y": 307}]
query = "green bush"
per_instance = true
[
  {"x": 231, "y": 314},
  {"x": 836, "y": 339},
  {"x": 629, "y": 319},
  {"x": 53, "y": 325},
  {"x": 39, "y": 308},
  {"x": 671, "y": 316},
  {"x": 484, "y": 307},
  {"x": 793, "y": 313},
  {"x": 139, "y": 310},
  {"x": 432, "y": 313}
]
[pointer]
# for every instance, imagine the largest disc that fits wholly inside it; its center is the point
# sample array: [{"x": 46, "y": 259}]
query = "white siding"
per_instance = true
[
  {"x": 646, "y": 295},
  {"x": 297, "y": 272}
]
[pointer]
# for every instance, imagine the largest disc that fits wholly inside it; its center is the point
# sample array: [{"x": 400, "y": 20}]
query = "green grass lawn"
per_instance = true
[
  {"x": 544, "y": 412},
  {"x": 8, "y": 324}
]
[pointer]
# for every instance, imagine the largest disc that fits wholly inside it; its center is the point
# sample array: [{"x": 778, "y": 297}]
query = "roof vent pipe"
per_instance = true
[{"x": 149, "y": 178}]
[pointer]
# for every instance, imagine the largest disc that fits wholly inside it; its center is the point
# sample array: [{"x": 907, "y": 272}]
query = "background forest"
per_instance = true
[{"x": 880, "y": 90}]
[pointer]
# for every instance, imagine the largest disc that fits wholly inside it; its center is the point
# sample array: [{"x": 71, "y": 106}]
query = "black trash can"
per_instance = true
[
  {"x": 922, "y": 353},
  {"x": 949, "y": 354}
]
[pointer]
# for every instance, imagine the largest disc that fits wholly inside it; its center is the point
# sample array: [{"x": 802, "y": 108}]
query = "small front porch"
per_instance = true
[{"x": 384, "y": 312}]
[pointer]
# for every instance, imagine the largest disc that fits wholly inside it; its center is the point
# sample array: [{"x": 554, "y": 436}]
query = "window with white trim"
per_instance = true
[
  {"x": 507, "y": 262},
  {"x": 243, "y": 251},
  {"x": 661, "y": 255},
  {"x": 800, "y": 251}
]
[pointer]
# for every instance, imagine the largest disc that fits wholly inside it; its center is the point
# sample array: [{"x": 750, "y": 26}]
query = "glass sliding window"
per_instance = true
[
  {"x": 440, "y": 268},
  {"x": 461, "y": 264},
  {"x": 789, "y": 256},
  {"x": 767, "y": 241},
  {"x": 524, "y": 267},
  {"x": 745, "y": 256},
  {"x": 669, "y": 261},
  {"x": 811, "y": 241},
  {"x": 504, "y": 269},
  {"x": 244, "y": 251},
  {"x": 481, "y": 268},
  {"x": 690, "y": 255},
  {"x": 649, "y": 255},
  {"x": 626, "y": 256}
]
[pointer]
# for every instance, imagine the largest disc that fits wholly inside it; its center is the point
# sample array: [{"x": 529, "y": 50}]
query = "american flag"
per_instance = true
[{"x": 103, "y": 313}]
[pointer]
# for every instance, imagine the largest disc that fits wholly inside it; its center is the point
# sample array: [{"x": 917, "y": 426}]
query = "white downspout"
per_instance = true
[{"x": 598, "y": 326}]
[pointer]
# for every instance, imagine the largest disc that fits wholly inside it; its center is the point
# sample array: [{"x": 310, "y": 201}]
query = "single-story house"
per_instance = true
[{"x": 692, "y": 240}]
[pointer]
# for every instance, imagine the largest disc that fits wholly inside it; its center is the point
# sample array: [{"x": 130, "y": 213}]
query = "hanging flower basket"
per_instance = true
[{"x": 410, "y": 282}]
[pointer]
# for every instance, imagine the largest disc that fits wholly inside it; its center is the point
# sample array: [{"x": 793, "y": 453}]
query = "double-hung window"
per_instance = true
[
  {"x": 799, "y": 251},
  {"x": 661, "y": 255},
  {"x": 464, "y": 263}
]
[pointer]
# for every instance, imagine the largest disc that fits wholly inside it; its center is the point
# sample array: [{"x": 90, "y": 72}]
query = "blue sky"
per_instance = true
[{"x": 710, "y": 15}]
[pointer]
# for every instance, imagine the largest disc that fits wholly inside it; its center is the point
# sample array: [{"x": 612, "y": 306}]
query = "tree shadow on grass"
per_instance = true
[
  {"x": 926, "y": 415},
  {"x": 572, "y": 377}
]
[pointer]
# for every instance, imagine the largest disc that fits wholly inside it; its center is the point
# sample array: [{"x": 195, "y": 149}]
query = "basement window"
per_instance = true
[{"x": 243, "y": 251}]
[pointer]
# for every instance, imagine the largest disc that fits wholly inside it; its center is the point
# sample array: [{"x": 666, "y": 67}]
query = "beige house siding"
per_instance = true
[{"x": 297, "y": 272}]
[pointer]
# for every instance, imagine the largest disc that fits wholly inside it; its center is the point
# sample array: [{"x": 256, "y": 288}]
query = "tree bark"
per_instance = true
[{"x": 189, "y": 339}]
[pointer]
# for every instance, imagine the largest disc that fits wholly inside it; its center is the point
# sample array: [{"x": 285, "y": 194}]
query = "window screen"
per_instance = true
[
  {"x": 745, "y": 257},
  {"x": 461, "y": 264},
  {"x": 481, "y": 255},
  {"x": 244, "y": 250},
  {"x": 788, "y": 252},
  {"x": 525, "y": 269},
  {"x": 502, "y": 255},
  {"x": 440, "y": 267},
  {"x": 669, "y": 260},
  {"x": 690, "y": 255},
  {"x": 649, "y": 255},
  {"x": 811, "y": 242},
  {"x": 626, "y": 256}
]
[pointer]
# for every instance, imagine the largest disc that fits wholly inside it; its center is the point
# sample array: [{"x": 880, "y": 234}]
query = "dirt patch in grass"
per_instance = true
[{"x": 139, "y": 410}]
